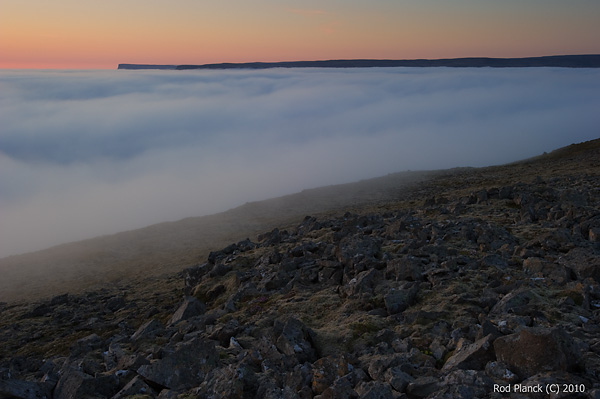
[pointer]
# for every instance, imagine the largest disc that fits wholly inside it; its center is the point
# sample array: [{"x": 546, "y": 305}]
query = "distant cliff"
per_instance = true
[
  {"x": 142, "y": 66},
  {"x": 561, "y": 61}
]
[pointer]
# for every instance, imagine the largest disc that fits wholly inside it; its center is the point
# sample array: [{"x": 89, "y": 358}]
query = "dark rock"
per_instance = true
[
  {"x": 148, "y": 330},
  {"x": 535, "y": 350},
  {"x": 115, "y": 303},
  {"x": 136, "y": 386},
  {"x": 193, "y": 276},
  {"x": 397, "y": 301},
  {"x": 398, "y": 379},
  {"x": 184, "y": 368},
  {"x": 472, "y": 357},
  {"x": 295, "y": 340},
  {"x": 363, "y": 283},
  {"x": 190, "y": 307}
]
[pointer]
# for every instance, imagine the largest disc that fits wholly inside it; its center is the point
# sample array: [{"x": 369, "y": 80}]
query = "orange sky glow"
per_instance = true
[{"x": 88, "y": 34}]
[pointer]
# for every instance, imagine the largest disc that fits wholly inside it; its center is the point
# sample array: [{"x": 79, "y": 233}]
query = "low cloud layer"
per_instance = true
[{"x": 97, "y": 152}]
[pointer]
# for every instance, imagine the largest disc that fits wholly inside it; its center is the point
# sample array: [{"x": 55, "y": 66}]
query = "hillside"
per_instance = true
[
  {"x": 169, "y": 247},
  {"x": 464, "y": 283}
]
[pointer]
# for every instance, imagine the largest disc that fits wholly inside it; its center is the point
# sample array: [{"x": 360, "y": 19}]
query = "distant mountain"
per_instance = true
[{"x": 561, "y": 61}]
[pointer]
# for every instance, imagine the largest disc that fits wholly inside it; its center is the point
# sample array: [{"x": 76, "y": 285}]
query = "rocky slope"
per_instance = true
[{"x": 482, "y": 283}]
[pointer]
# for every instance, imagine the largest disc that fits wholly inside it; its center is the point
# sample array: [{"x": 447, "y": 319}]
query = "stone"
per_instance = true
[
  {"x": 136, "y": 386},
  {"x": 190, "y": 307},
  {"x": 473, "y": 356},
  {"x": 184, "y": 368},
  {"x": 398, "y": 300},
  {"x": 295, "y": 340},
  {"x": 398, "y": 379},
  {"x": 535, "y": 350},
  {"x": 148, "y": 330}
]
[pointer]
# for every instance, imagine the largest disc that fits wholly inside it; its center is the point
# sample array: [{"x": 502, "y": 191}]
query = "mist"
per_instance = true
[{"x": 86, "y": 153}]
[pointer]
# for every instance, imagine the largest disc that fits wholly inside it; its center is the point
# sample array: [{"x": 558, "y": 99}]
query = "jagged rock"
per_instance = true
[
  {"x": 149, "y": 329},
  {"x": 295, "y": 340},
  {"x": 192, "y": 276},
  {"x": 184, "y": 368},
  {"x": 472, "y": 357},
  {"x": 363, "y": 283},
  {"x": 190, "y": 307},
  {"x": 398, "y": 379},
  {"x": 535, "y": 350},
  {"x": 136, "y": 386}
]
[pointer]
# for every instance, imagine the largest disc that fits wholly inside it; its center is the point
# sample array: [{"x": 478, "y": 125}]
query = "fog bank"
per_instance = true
[{"x": 84, "y": 153}]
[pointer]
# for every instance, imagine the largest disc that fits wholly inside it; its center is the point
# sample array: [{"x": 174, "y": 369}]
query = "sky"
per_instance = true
[
  {"x": 92, "y": 34},
  {"x": 86, "y": 153}
]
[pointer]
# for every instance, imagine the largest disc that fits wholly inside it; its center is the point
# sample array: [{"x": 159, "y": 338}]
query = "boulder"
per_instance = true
[
  {"x": 535, "y": 350},
  {"x": 473, "y": 356},
  {"x": 149, "y": 329},
  {"x": 190, "y": 307},
  {"x": 295, "y": 340},
  {"x": 184, "y": 368},
  {"x": 398, "y": 300},
  {"x": 136, "y": 386}
]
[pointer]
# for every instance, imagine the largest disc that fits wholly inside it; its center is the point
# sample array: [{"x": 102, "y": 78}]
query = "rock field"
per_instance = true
[{"x": 485, "y": 283}]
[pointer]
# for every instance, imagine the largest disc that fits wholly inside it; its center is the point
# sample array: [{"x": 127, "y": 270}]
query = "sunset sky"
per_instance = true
[{"x": 101, "y": 34}]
